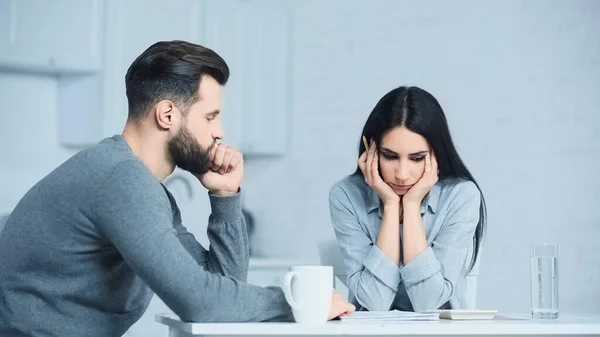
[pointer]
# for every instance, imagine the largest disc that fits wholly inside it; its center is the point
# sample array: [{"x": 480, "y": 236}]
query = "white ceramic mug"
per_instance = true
[{"x": 308, "y": 290}]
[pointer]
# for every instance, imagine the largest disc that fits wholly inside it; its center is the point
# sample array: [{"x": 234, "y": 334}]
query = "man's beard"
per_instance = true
[{"x": 188, "y": 154}]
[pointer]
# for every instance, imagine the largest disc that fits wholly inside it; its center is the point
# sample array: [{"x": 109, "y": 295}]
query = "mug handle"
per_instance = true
[{"x": 287, "y": 289}]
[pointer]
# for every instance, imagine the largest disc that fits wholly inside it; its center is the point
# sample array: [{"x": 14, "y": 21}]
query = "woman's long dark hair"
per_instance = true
[{"x": 418, "y": 111}]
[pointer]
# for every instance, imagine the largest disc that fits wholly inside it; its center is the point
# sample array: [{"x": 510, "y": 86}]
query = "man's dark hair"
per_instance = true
[{"x": 170, "y": 70}]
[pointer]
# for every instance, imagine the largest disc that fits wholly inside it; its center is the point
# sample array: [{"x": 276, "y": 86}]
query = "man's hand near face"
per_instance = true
[{"x": 226, "y": 171}]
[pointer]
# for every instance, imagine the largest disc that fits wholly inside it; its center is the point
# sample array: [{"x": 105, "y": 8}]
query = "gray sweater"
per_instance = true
[{"x": 85, "y": 249}]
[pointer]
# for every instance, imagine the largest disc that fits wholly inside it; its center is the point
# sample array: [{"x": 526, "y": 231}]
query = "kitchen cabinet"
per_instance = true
[
  {"x": 94, "y": 106},
  {"x": 134, "y": 26},
  {"x": 51, "y": 37},
  {"x": 88, "y": 46},
  {"x": 254, "y": 38}
]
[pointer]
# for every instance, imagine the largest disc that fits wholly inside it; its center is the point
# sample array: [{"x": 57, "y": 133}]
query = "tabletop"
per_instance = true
[{"x": 502, "y": 324}]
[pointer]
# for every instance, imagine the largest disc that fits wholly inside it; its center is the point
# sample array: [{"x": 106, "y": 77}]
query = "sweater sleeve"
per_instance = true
[{"x": 133, "y": 212}]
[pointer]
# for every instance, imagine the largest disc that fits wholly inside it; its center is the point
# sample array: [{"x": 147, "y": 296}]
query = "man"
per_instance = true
[{"x": 86, "y": 247}]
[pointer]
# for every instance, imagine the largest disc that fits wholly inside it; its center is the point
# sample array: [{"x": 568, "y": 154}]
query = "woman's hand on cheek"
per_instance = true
[
  {"x": 430, "y": 176},
  {"x": 369, "y": 165}
]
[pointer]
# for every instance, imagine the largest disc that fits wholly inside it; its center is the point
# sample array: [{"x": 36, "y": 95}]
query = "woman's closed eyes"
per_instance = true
[{"x": 390, "y": 155}]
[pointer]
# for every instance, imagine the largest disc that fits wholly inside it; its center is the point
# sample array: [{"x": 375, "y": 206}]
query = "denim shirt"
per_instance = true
[{"x": 435, "y": 278}]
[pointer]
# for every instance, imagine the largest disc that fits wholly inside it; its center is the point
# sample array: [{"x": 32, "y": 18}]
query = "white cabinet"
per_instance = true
[
  {"x": 132, "y": 26},
  {"x": 254, "y": 39},
  {"x": 88, "y": 45},
  {"x": 55, "y": 37},
  {"x": 95, "y": 106}
]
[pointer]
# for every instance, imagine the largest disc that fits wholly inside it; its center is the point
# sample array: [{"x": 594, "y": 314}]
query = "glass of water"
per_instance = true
[{"x": 544, "y": 281}]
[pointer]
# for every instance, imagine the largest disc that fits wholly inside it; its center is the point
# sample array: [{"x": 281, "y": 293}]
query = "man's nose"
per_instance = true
[{"x": 218, "y": 132}]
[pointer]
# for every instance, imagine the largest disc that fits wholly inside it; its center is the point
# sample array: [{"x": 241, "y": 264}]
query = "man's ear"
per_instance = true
[{"x": 164, "y": 113}]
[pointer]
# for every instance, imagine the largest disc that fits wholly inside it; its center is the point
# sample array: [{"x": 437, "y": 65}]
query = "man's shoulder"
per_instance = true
[
  {"x": 110, "y": 164},
  {"x": 129, "y": 187},
  {"x": 108, "y": 153}
]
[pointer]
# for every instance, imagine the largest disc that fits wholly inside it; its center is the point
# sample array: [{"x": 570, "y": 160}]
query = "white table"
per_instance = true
[{"x": 502, "y": 325}]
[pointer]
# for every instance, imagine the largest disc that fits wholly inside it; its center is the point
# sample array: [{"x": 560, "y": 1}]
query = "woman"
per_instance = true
[{"x": 410, "y": 220}]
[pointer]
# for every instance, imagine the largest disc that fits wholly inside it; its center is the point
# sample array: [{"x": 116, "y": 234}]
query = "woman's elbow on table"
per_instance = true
[
  {"x": 430, "y": 300},
  {"x": 374, "y": 299},
  {"x": 380, "y": 306}
]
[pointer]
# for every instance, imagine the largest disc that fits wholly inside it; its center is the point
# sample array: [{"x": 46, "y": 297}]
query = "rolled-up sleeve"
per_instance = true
[
  {"x": 431, "y": 277},
  {"x": 373, "y": 278}
]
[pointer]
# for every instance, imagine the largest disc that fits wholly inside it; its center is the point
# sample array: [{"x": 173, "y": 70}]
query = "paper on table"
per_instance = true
[{"x": 390, "y": 316}]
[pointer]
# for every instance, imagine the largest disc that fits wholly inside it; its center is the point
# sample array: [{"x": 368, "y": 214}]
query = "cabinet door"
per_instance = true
[
  {"x": 6, "y": 38},
  {"x": 133, "y": 26},
  {"x": 57, "y": 37},
  {"x": 222, "y": 27},
  {"x": 254, "y": 38}
]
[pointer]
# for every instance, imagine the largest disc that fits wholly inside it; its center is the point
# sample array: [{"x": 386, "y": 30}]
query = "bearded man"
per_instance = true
[{"x": 87, "y": 246}]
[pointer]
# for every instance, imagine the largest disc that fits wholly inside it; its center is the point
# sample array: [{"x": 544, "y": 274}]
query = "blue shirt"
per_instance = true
[{"x": 434, "y": 279}]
